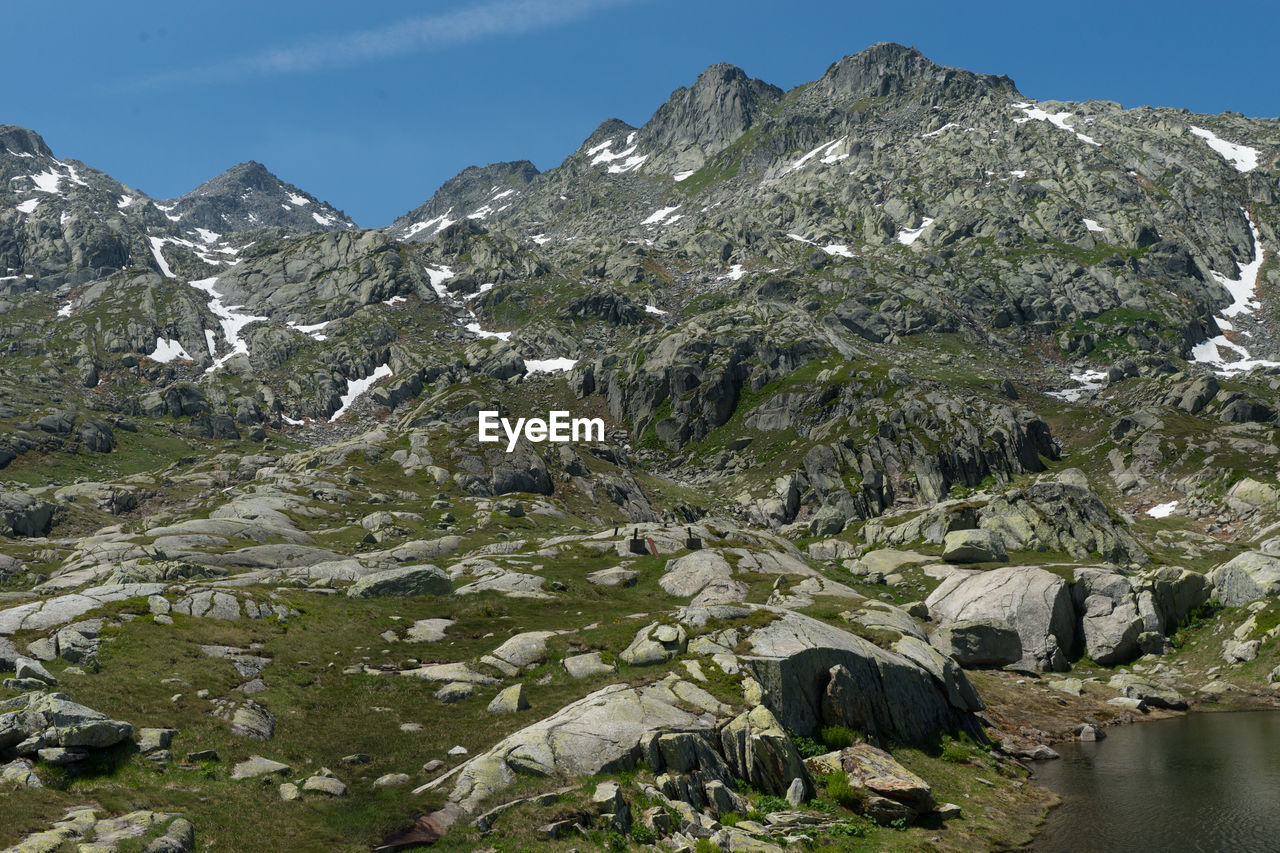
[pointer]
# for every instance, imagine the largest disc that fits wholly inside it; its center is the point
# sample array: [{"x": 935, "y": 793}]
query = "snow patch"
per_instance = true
[
  {"x": 474, "y": 328},
  {"x": 736, "y": 272},
  {"x": 1163, "y": 510},
  {"x": 549, "y": 365},
  {"x": 294, "y": 198},
  {"x": 29, "y": 206},
  {"x": 395, "y": 300},
  {"x": 233, "y": 322},
  {"x": 826, "y": 150},
  {"x": 47, "y": 182},
  {"x": 439, "y": 275},
  {"x": 1092, "y": 225},
  {"x": 604, "y": 153},
  {"x": 327, "y": 221},
  {"x": 1056, "y": 119},
  {"x": 1242, "y": 289},
  {"x": 1086, "y": 382},
  {"x": 907, "y": 236},
  {"x": 659, "y": 215},
  {"x": 439, "y": 224},
  {"x": 156, "y": 244},
  {"x": 65, "y": 310},
  {"x": 838, "y": 249},
  {"x": 125, "y": 201},
  {"x": 168, "y": 350},
  {"x": 654, "y": 309},
  {"x": 313, "y": 330},
  {"x": 948, "y": 126},
  {"x": 208, "y": 236},
  {"x": 683, "y": 176},
  {"x": 356, "y": 387},
  {"x": 1244, "y": 158},
  {"x": 540, "y": 239}
]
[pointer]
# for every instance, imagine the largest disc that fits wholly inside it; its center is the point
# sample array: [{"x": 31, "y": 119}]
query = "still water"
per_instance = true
[{"x": 1200, "y": 782}]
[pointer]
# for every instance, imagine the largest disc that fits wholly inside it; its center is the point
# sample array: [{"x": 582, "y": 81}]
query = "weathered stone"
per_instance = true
[
  {"x": 509, "y": 701},
  {"x": 403, "y": 581},
  {"x": 655, "y": 643},
  {"x": 1035, "y": 603},
  {"x": 255, "y": 766},
  {"x": 757, "y": 749},
  {"x": 586, "y": 665},
  {"x": 1246, "y": 578},
  {"x": 974, "y": 546},
  {"x": 1147, "y": 691},
  {"x": 329, "y": 785},
  {"x": 455, "y": 691}
]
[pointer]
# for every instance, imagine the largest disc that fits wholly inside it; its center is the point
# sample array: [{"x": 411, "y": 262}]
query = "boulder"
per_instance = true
[
  {"x": 878, "y": 771},
  {"x": 600, "y": 733},
  {"x": 974, "y": 546},
  {"x": 586, "y": 665},
  {"x": 655, "y": 643},
  {"x": 1246, "y": 578},
  {"x": 41, "y": 720},
  {"x": 1147, "y": 691},
  {"x": 509, "y": 701},
  {"x": 256, "y": 766},
  {"x": 403, "y": 581},
  {"x": 812, "y": 673},
  {"x": 757, "y": 749},
  {"x": 1035, "y": 603},
  {"x": 1109, "y": 617},
  {"x": 978, "y": 643}
]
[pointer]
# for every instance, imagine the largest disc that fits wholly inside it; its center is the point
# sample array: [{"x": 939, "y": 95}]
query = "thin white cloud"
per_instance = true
[{"x": 458, "y": 26}]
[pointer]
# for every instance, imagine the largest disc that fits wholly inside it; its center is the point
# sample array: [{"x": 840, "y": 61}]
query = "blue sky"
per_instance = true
[{"x": 372, "y": 106}]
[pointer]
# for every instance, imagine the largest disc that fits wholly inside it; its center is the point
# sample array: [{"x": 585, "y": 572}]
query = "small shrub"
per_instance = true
[
  {"x": 765, "y": 804},
  {"x": 706, "y": 845},
  {"x": 956, "y": 753},
  {"x": 806, "y": 746},
  {"x": 854, "y": 828},
  {"x": 642, "y": 834},
  {"x": 614, "y": 841},
  {"x": 841, "y": 792},
  {"x": 835, "y": 737},
  {"x": 730, "y": 818}
]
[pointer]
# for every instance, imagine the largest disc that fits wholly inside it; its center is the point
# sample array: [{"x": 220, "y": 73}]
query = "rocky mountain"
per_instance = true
[
  {"x": 247, "y": 197},
  {"x": 939, "y": 426}
]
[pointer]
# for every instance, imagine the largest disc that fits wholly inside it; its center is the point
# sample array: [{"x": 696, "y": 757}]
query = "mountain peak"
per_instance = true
[
  {"x": 698, "y": 121},
  {"x": 888, "y": 68},
  {"x": 20, "y": 141},
  {"x": 249, "y": 196},
  {"x": 474, "y": 194}
]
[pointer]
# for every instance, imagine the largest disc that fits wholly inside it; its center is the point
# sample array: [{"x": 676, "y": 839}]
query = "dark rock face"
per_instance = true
[
  {"x": 700, "y": 121},
  {"x": 475, "y": 191}
]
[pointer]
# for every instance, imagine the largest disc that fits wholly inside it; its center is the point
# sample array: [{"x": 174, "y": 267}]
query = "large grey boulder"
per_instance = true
[
  {"x": 1168, "y": 594},
  {"x": 520, "y": 652},
  {"x": 404, "y": 581},
  {"x": 1109, "y": 617},
  {"x": 600, "y": 733},
  {"x": 1246, "y": 578},
  {"x": 40, "y": 720},
  {"x": 878, "y": 771},
  {"x": 812, "y": 674},
  {"x": 22, "y": 514},
  {"x": 974, "y": 546},
  {"x": 978, "y": 643},
  {"x": 1035, "y": 603}
]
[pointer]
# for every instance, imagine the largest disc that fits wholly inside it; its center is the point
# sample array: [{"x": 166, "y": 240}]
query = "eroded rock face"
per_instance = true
[
  {"x": 405, "y": 581},
  {"x": 1035, "y": 603},
  {"x": 758, "y": 749},
  {"x": 977, "y": 643}
]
